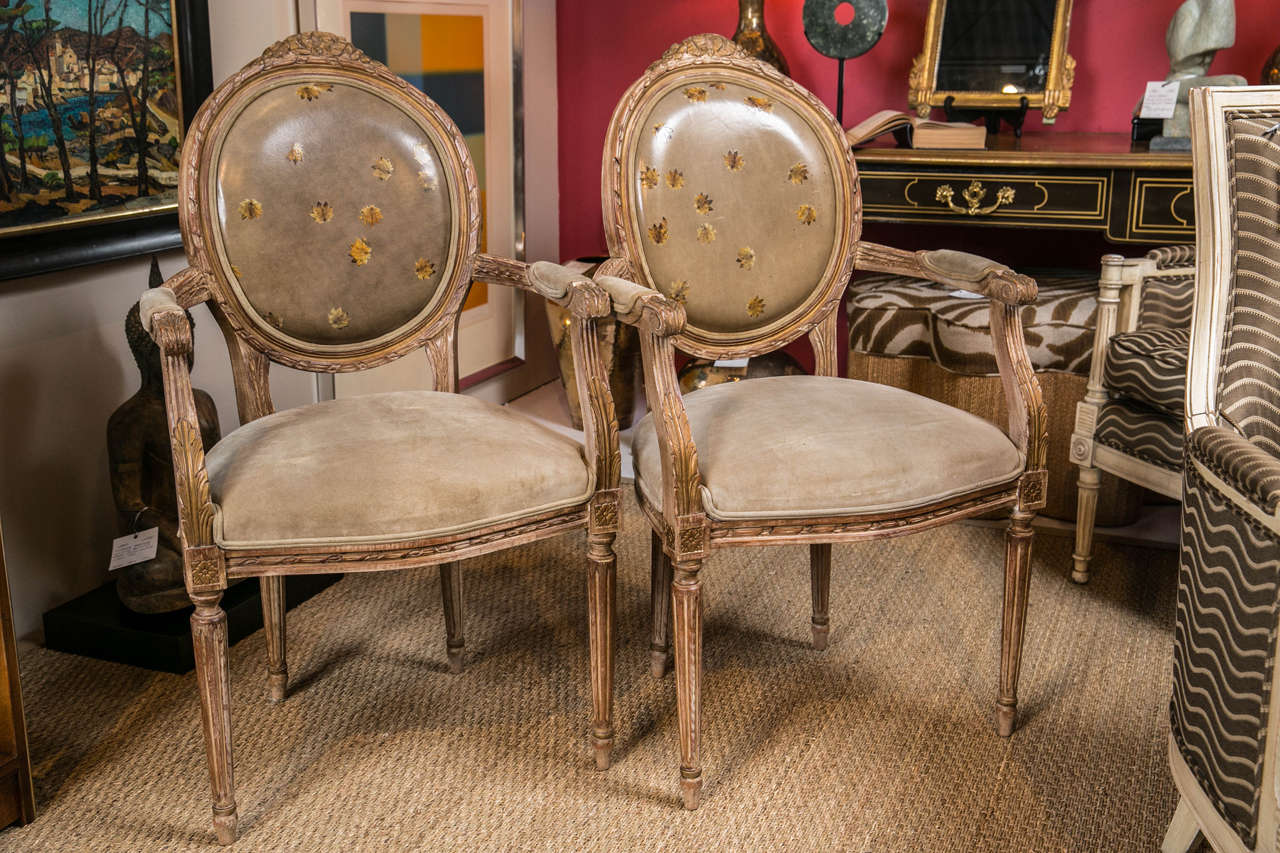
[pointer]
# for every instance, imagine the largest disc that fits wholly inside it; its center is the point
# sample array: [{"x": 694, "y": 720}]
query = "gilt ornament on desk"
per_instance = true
[{"x": 752, "y": 36}]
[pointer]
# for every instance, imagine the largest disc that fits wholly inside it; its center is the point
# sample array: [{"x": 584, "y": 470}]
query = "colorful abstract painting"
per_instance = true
[
  {"x": 90, "y": 119},
  {"x": 443, "y": 55}
]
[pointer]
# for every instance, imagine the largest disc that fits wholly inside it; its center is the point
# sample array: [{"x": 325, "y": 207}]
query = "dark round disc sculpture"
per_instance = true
[{"x": 844, "y": 41}]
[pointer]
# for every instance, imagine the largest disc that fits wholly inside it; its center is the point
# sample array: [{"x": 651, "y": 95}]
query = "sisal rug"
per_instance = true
[{"x": 882, "y": 743}]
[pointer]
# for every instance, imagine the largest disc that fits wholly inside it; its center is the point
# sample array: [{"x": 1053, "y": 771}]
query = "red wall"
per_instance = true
[{"x": 603, "y": 45}]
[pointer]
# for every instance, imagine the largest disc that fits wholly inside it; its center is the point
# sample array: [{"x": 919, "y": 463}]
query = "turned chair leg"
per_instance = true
[
  {"x": 660, "y": 606},
  {"x": 1086, "y": 511},
  {"x": 209, "y": 638},
  {"x": 1017, "y": 582},
  {"x": 601, "y": 586},
  {"x": 1183, "y": 831},
  {"x": 686, "y": 604},
  {"x": 272, "y": 592},
  {"x": 451, "y": 592},
  {"x": 820, "y": 587}
]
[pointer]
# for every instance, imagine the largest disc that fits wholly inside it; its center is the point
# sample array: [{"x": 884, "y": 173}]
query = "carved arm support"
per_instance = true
[
  {"x": 1008, "y": 292},
  {"x": 658, "y": 320},
  {"x": 586, "y": 302},
  {"x": 163, "y": 316}
]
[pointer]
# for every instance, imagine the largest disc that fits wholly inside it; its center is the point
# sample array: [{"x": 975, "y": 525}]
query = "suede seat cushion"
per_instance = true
[
  {"x": 896, "y": 315},
  {"x": 388, "y": 467},
  {"x": 1149, "y": 365},
  {"x": 799, "y": 446}
]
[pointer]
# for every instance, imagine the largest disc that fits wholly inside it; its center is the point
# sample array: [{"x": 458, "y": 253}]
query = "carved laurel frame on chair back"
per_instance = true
[
  {"x": 307, "y": 67},
  {"x": 705, "y": 69}
]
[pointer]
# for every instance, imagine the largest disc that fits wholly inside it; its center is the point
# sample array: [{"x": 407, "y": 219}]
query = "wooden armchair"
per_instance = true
[
  {"x": 1130, "y": 421},
  {"x": 1224, "y": 744},
  {"x": 330, "y": 216},
  {"x": 732, "y": 213}
]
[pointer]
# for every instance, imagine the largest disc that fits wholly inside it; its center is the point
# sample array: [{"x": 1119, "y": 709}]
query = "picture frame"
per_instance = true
[
  {"x": 491, "y": 337},
  {"x": 95, "y": 237},
  {"x": 923, "y": 92}
]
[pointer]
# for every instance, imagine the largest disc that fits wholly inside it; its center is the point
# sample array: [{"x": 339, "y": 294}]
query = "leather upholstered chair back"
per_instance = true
[
  {"x": 332, "y": 206},
  {"x": 731, "y": 190}
]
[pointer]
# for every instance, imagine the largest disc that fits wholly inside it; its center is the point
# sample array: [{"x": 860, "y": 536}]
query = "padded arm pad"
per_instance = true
[
  {"x": 552, "y": 280},
  {"x": 1168, "y": 257},
  {"x": 643, "y": 307},
  {"x": 623, "y": 293},
  {"x": 156, "y": 301},
  {"x": 1253, "y": 471},
  {"x": 978, "y": 274}
]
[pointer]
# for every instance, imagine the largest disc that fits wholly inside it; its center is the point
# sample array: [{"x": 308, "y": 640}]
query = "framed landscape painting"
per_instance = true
[{"x": 95, "y": 100}]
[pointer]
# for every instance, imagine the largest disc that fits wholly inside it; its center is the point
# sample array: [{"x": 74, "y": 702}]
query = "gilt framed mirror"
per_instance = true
[{"x": 991, "y": 54}]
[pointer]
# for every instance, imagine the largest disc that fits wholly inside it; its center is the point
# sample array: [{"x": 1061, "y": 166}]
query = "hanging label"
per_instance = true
[
  {"x": 1160, "y": 99},
  {"x": 134, "y": 548},
  {"x": 731, "y": 362}
]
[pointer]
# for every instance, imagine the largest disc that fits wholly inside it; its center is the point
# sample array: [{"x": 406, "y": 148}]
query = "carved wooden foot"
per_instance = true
[
  {"x": 686, "y": 595},
  {"x": 451, "y": 592},
  {"x": 209, "y": 638},
  {"x": 1087, "y": 484},
  {"x": 660, "y": 607},
  {"x": 820, "y": 587},
  {"x": 1017, "y": 582},
  {"x": 601, "y": 585},
  {"x": 273, "y": 625}
]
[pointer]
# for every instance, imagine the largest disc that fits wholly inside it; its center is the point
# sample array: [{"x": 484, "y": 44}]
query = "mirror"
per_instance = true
[{"x": 990, "y": 54}]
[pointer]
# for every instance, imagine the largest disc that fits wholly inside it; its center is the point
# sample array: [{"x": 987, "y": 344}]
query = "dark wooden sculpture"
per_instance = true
[{"x": 142, "y": 473}]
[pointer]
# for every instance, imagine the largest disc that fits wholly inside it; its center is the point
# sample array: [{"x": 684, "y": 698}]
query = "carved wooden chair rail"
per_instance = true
[
  {"x": 709, "y": 70},
  {"x": 321, "y": 66}
]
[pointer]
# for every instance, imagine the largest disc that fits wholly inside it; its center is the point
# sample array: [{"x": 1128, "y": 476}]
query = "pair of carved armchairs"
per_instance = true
[
  {"x": 330, "y": 217},
  {"x": 1224, "y": 744},
  {"x": 1130, "y": 421}
]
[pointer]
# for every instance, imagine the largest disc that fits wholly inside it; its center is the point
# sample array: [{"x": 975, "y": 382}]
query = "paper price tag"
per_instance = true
[
  {"x": 731, "y": 362},
  {"x": 966, "y": 294},
  {"x": 134, "y": 548},
  {"x": 1160, "y": 99}
]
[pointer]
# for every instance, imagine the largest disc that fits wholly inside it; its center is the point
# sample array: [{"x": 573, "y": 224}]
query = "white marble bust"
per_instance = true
[{"x": 1199, "y": 29}]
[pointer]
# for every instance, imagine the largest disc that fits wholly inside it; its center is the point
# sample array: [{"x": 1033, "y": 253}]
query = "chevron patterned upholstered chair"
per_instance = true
[
  {"x": 330, "y": 215},
  {"x": 732, "y": 213},
  {"x": 1224, "y": 740},
  {"x": 1130, "y": 421}
]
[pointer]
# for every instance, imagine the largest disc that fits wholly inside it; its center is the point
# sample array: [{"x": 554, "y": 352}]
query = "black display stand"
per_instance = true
[
  {"x": 1014, "y": 116},
  {"x": 97, "y": 625}
]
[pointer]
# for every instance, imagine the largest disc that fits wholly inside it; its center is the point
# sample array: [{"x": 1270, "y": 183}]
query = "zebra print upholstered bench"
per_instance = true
[{"x": 935, "y": 341}]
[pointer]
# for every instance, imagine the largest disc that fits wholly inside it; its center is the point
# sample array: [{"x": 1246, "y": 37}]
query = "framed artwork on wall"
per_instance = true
[
  {"x": 463, "y": 54},
  {"x": 95, "y": 100}
]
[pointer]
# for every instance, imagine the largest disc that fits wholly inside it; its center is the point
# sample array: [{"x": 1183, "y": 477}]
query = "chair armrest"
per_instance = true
[
  {"x": 586, "y": 302},
  {"x": 659, "y": 320},
  {"x": 961, "y": 270},
  {"x": 572, "y": 291},
  {"x": 1008, "y": 292},
  {"x": 165, "y": 319},
  {"x": 1243, "y": 465},
  {"x": 1171, "y": 257}
]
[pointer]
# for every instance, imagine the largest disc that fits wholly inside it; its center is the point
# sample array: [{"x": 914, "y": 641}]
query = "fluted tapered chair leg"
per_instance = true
[
  {"x": 451, "y": 593},
  {"x": 1087, "y": 483},
  {"x": 273, "y": 626},
  {"x": 209, "y": 640},
  {"x": 1017, "y": 582},
  {"x": 601, "y": 586},
  {"x": 660, "y": 606},
  {"x": 686, "y": 604},
  {"x": 820, "y": 588}
]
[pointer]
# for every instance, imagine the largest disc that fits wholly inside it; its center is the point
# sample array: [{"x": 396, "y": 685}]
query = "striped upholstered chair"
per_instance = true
[
  {"x": 1224, "y": 743},
  {"x": 1130, "y": 421}
]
